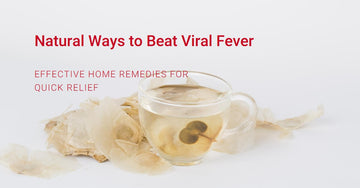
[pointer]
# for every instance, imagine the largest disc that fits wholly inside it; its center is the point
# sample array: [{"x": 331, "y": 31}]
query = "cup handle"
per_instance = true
[{"x": 249, "y": 121}]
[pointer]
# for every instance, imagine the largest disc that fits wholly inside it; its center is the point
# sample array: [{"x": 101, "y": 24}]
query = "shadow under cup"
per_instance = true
[{"x": 182, "y": 131}]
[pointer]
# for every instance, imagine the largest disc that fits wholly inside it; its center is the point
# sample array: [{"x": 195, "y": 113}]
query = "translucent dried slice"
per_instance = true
[
  {"x": 36, "y": 163},
  {"x": 266, "y": 119},
  {"x": 236, "y": 141},
  {"x": 68, "y": 134},
  {"x": 143, "y": 160},
  {"x": 265, "y": 115},
  {"x": 89, "y": 104},
  {"x": 131, "y": 107},
  {"x": 297, "y": 122},
  {"x": 108, "y": 122},
  {"x": 127, "y": 147},
  {"x": 121, "y": 140}
]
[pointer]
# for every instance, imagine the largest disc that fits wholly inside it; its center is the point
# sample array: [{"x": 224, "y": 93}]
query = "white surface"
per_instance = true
[{"x": 305, "y": 53}]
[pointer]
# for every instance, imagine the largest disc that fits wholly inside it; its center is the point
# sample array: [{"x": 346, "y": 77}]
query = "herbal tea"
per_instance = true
[{"x": 183, "y": 134}]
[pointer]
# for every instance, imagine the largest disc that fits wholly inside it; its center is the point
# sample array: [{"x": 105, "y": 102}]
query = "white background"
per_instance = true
[{"x": 305, "y": 53}]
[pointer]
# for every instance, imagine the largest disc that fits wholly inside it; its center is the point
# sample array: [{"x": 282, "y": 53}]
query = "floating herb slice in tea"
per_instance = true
[{"x": 190, "y": 134}]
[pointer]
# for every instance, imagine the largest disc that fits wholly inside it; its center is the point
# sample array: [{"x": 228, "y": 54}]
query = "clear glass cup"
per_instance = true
[{"x": 182, "y": 131}]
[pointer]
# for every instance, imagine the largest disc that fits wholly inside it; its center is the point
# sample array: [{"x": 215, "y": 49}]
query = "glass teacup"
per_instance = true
[{"x": 183, "y": 117}]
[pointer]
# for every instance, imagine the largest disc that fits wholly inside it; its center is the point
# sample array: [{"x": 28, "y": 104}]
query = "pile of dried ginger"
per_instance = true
[{"x": 109, "y": 129}]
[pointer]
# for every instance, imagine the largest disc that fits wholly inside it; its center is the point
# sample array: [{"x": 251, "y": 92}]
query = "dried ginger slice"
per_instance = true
[
  {"x": 42, "y": 164},
  {"x": 141, "y": 159},
  {"x": 68, "y": 133},
  {"x": 266, "y": 118},
  {"x": 300, "y": 121},
  {"x": 241, "y": 140},
  {"x": 121, "y": 140},
  {"x": 131, "y": 107}
]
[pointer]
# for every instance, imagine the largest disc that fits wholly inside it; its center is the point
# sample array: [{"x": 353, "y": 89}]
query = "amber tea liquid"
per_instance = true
[{"x": 183, "y": 132}]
